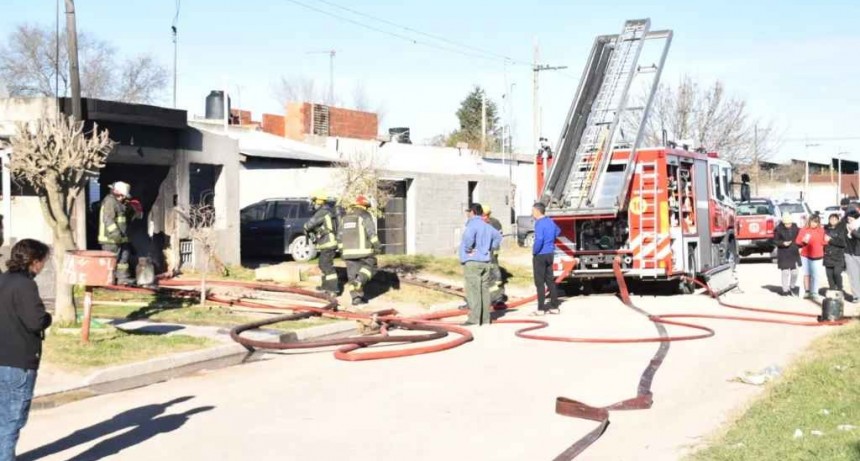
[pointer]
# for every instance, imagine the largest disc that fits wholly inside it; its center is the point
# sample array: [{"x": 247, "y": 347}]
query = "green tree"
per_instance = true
[{"x": 469, "y": 115}]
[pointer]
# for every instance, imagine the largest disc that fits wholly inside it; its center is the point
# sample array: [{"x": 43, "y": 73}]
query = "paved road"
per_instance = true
[{"x": 491, "y": 399}]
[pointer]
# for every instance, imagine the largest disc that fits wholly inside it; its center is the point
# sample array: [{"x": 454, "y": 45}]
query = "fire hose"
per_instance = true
[{"x": 435, "y": 329}]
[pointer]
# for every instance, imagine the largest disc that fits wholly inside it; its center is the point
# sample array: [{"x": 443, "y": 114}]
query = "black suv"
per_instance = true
[{"x": 275, "y": 227}]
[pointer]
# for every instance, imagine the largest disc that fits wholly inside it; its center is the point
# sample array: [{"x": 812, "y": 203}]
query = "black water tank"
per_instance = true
[
  {"x": 400, "y": 134},
  {"x": 215, "y": 105}
]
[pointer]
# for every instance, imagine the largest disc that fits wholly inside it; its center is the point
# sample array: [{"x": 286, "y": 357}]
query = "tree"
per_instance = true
[
  {"x": 709, "y": 117},
  {"x": 360, "y": 175},
  {"x": 57, "y": 158},
  {"x": 28, "y": 67},
  {"x": 469, "y": 115},
  {"x": 200, "y": 219},
  {"x": 298, "y": 89}
]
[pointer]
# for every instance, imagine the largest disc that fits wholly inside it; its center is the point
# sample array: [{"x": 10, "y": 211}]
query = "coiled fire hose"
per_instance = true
[{"x": 436, "y": 329}]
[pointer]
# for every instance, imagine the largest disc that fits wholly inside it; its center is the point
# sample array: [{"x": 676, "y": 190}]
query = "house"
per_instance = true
[
  {"x": 170, "y": 166},
  {"x": 430, "y": 187}
]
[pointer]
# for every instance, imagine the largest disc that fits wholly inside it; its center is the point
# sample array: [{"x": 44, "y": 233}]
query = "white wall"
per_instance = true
[{"x": 260, "y": 184}]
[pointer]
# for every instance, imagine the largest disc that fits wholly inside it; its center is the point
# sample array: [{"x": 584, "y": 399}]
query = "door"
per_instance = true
[
  {"x": 392, "y": 223},
  {"x": 253, "y": 219}
]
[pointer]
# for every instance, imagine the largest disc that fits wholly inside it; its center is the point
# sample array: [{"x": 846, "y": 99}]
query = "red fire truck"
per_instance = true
[{"x": 665, "y": 211}]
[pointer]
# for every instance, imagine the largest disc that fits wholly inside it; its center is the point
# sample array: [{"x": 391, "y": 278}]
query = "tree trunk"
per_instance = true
[
  {"x": 64, "y": 306},
  {"x": 203, "y": 282}
]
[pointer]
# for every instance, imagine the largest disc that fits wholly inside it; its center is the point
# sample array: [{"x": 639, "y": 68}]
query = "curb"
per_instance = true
[{"x": 139, "y": 374}]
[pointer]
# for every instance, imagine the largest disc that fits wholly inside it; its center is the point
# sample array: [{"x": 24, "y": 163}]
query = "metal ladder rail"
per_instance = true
[
  {"x": 620, "y": 68},
  {"x": 648, "y": 219},
  {"x": 634, "y": 40}
]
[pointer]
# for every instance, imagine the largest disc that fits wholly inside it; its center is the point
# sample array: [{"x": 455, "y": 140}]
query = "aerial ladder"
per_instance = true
[{"x": 601, "y": 120}]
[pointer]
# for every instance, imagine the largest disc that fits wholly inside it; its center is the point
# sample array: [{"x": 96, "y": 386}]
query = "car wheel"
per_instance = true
[
  {"x": 529, "y": 241},
  {"x": 301, "y": 249}
]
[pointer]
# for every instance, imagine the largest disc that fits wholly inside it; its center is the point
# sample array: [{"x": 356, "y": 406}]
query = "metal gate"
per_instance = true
[{"x": 392, "y": 223}]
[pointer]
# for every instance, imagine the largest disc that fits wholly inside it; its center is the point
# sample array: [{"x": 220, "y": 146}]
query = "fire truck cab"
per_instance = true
[{"x": 665, "y": 212}]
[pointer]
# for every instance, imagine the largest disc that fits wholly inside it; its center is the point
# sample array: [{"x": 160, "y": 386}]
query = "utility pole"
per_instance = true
[
  {"x": 175, "y": 31},
  {"x": 74, "y": 74},
  {"x": 536, "y": 111},
  {"x": 483, "y": 121},
  {"x": 839, "y": 177},
  {"x": 331, "y": 54}
]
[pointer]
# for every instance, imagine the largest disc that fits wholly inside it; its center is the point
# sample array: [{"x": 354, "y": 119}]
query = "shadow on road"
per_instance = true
[{"x": 146, "y": 422}]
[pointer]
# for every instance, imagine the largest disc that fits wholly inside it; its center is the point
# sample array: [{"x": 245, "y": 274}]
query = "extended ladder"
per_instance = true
[{"x": 578, "y": 181}]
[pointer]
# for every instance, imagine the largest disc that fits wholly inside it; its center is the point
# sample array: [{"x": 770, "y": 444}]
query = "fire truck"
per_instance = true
[{"x": 666, "y": 212}]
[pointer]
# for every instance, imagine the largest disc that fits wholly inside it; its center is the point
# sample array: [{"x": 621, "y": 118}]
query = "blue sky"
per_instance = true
[{"x": 796, "y": 63}]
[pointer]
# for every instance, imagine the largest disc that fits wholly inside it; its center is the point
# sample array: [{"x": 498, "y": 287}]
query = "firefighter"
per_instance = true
[
  {"x": 359, "y": 244},
  {"x": 322, "y": 227},
  {"x": 497, "y": 288},
  {"x": 113, "y": 229}
]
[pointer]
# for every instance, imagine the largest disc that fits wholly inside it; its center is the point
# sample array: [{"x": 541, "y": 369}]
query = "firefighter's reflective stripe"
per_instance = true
[
  {"x": 119, "y": 220},
  {"x": 496, "y": 287},
  {"x": 366, "y": 272},
  {"x": 354, "y": 233},
  {"x": 331, "y": 276}
]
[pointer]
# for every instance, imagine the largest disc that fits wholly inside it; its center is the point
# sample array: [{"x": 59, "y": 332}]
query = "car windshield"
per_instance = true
[
  {"x": 792, "y": 208},
  {"x": 754, "y": 208}
]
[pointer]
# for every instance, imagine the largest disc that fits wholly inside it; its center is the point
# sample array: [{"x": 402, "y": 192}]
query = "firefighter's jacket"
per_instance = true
[
  {"x": 324, "y": 226},
  {"x": 113, "y": 221},
  {"x": 497, "y": 225},
  {"x": 358, "y": 234}
]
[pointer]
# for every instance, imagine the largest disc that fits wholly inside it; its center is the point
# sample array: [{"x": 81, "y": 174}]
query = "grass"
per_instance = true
[
  {"x": 415, "y": 295},
  {"x": 449, "y": 267},
  {"x": 827, "y": 377},
  {"x": 113, "y": 347}
]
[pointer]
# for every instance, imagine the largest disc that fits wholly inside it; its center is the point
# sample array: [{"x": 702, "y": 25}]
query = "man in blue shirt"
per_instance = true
[
  {"x": 546, "y": 231},
  {"x": 479, "y": 241}
]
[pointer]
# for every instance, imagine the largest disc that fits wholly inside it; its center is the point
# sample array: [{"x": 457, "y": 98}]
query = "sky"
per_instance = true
[{"x": 794, "y": 62}]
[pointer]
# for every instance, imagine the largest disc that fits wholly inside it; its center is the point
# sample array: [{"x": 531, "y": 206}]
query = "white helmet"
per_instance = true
[{"x": 122, "y": 188}]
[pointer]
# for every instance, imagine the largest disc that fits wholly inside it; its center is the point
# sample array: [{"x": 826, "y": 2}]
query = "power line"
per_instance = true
[
  {"x": 484, "y": 55},
  {"x": 433, "y": 36}
]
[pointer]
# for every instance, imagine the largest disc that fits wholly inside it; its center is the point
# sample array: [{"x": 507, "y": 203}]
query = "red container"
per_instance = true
[{"x": 90, "y": 268}]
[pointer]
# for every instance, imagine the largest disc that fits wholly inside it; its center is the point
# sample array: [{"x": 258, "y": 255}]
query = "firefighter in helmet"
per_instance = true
[
  {"x": 113, "y": 228},
  {"x": 359, "y": 244},
  {"x": 322, "y": 227},
  {"x": 497, "y": 288}
]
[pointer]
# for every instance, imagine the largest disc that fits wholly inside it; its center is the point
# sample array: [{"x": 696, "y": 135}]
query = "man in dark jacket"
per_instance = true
[
  {"x": 834, "y": 252},
  {"x": 359, "y": 244},
  {"x": 787, "y": 253},
  {"x": 323, "y": 227},
  {"x": 852, "y": 250},
  {"x": 113, "y": 229},
  {"x": 23, "y": 322}
]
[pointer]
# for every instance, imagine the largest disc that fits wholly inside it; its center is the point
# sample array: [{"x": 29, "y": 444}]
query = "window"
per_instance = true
[
  {"x": 287, "y": 210},
  {"x": 202, "y": 178},
  {"x": 792, "y": 208},
  {"x": 254, "y": 212},
  {"x": 305, "y": 210},
  {"x": 716, "y": 183},
  {"x": 727, "y": 180},
  {"x": 755, "y": 208}
]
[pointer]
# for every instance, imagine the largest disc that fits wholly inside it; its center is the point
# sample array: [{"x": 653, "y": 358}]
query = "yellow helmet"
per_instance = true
[
  {"x": 487, "y": 210},
  {"x": 319, "y": 196}
]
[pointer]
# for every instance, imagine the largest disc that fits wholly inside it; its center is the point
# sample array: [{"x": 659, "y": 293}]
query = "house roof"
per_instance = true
[{"x": 253, "y": 143}]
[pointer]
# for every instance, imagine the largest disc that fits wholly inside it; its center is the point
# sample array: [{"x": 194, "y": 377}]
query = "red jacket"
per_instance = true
[{"x": 814, "y": 248}]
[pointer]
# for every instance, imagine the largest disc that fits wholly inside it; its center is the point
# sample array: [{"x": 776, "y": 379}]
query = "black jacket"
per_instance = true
[
  {"x": 853, "y": 245},
  {"x": 834, "y": 251},
  {"x": 23, "y": 321},
  {"x": 787, "y": 257}
]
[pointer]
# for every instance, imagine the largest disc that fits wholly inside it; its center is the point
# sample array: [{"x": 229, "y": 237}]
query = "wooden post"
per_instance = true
[{"x": 88, "y": 313}]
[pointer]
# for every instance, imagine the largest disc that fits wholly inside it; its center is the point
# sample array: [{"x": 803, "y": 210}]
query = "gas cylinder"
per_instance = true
[{"x": 832, "y": 306}]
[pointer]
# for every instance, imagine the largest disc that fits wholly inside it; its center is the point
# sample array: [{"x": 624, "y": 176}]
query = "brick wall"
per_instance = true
[
  {"x": 244, "y": 116},
  {"x": 345, "y": 123},
  {"x": 274, "y": 124}
]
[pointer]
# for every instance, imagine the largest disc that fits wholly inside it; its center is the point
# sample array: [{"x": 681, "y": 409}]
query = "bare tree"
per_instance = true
[
  {"x": 28, "y": 66},
  {"x": 360, "y": 175},
  {"x": 360, "y": 100},
  {"x": 200, "y": 219},
  {"x": 709, "y": 117},
  {"x": 298, "y": 89},
  {"x": 57, "y": 157}
]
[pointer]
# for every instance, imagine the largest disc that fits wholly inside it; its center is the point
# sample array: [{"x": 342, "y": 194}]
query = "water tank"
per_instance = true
[
  {"x": 400, "y": 134},
  {"x": 215, "y": 105}
]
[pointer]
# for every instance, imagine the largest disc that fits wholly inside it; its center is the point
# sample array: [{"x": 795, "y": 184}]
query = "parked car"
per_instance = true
[
  {"x": 799, "y": 211},
  {"x": 754, "y": 226},
  {"x": 525, "y": 231},
  {"x": 825, "y": 213},
  {"x": 275, "y": 227}
]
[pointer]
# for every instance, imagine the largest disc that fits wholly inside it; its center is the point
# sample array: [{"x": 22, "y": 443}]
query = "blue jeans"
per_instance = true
[
  {"x": 16, "y": 392},
  {"x": 814, "y": 269}
]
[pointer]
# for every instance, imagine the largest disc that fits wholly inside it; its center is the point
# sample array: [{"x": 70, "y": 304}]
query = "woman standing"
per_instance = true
[
  {"x": 812, "y": 240},
  {"x": 787, "y": 253},
  {"x": 23, "y": 321},
  {"x": 834, "y": 252}
]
